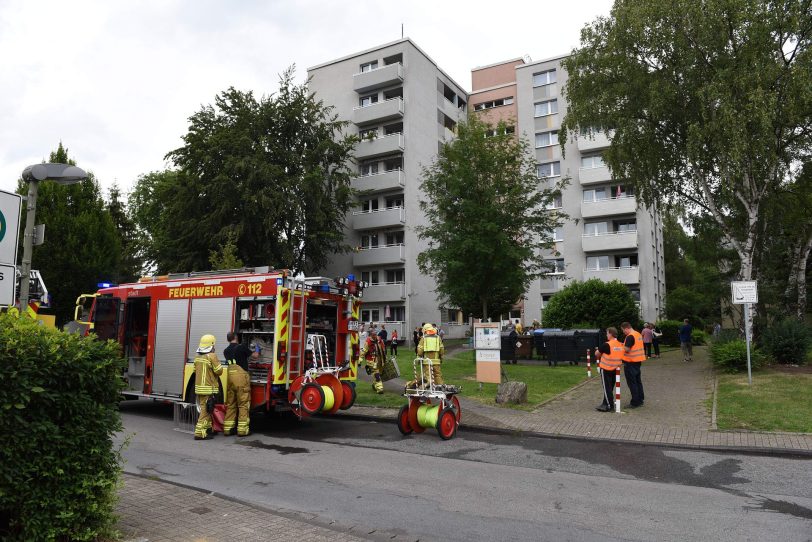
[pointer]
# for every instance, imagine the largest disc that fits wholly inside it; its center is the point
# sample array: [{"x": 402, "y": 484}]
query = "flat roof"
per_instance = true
[
  {"x": 542, "y": 61},
  {"x": 519, "y": 59}
]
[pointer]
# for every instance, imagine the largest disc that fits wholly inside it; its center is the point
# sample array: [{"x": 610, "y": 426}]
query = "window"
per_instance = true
[
  {"x": 394, "y": 59},
  {"x": 546, "y": 139},
  {"x": 591, "y": 162},
  {"x": 368, "y": 100},
  {"x": 558, "y": 234},
  {"x": 636, "y": 294},
  {"x": 369, "y": 205},
  {"x": 394, "y": 276},
  {"x": 493, "y": 103},
  {"x": 390, "y": 129},
  {"x": 626, "y": 261},
  {"x": 446, "y": 121},
  {"x": 394, "y": 237},
  {"x": 370, "y": 315},
  {"x": 544, "y": 300},
  {"x": 397, "y": 314},
  {"x": 369, "y": 276},
  {"x": 596, "y": 228},
  {"x": 393, "y": 93},
  {"x": 597, "y": 263},
  {"x": 544, "y": 78},
  {"x": 550, "y": 169},
  {"x": 369, "y": 168},
  {"x": 621, "y": 191},
  {"x": 393, "y": 164},
  {"x": 595, "y": 194},
  {"x": 508, "y": 130},
  {"x": 394, "y": 201},
  {"x": 556, "y": 203},
  {"x": 555, "y": 266},
  {"x": 369, "y": 66},
  {"x": 546, "y": 108},
  {"x": 369, "y": 133},
  {"x": 369, "y": 241},
  {"x": 625, "y": 225}
]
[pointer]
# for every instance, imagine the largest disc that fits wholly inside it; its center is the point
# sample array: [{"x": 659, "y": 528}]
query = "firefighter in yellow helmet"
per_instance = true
[
  {"x": 207, "y": 371},
  {"x": 431, "y": 347},
  {"x": 374, "y": 354}
]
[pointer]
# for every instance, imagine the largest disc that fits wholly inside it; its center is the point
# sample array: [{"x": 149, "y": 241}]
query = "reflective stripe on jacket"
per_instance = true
[
  {"x": 636, "y": 354},
  {"x": 430, "y": 346},
  {"x": 611, "y": 361},
  {"x": 207, "y": 369}
]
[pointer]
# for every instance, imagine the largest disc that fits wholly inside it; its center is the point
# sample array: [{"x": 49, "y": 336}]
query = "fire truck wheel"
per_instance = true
[
  {"x": 348, "y": 398},
  {"x": 311, "y": 398},
  {"x": 414, "y": 404},
  {"x": 447, "y": 424},
  {"x": 403, "y": 420}
]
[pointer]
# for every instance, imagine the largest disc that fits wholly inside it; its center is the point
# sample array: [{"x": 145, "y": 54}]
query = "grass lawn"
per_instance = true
[
  {"x": 543, "y": 382},
  {"x": 776, "y": 402}
]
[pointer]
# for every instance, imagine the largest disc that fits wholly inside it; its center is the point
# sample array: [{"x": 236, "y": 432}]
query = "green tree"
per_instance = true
[
  {"x": 273, "y": 172},
  {"x": 594, "y": 302},
  {"x": 709, "y": 104},
  {"x": 130, "y": 264},
  {"x": 81, "y": 245},
  {"x": 487, "y": 221},
  {"x": 225, "y": 257}
]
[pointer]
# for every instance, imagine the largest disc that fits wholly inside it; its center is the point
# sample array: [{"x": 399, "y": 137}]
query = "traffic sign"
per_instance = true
[
  {"x": 744, "y": 292},
  {"x": 10, "y": 205},
  {"x": 8, "y": 284}
]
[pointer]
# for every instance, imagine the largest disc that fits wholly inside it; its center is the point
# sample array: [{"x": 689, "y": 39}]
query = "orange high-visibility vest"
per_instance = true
[
  {"x": 611, "y": 361},
  {"x": 636, "y": 353}
]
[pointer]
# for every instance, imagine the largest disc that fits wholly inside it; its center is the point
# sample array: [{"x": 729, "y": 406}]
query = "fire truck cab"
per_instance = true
[{"x": 304, "y": 330}]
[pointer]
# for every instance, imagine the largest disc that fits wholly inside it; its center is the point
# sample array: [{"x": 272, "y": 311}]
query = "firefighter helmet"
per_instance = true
[
  {"x": 206, "y": 344},
  {"x": 429, "y": 329}
]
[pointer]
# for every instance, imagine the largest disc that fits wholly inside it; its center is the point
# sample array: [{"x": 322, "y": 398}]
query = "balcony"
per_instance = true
[
  {"x": 594, "y": 175},
  {"x": 553, "y": 282},
  {"x": 378, "y": 112},
  {"x": 611, "y": 241},
  {"x": 598, "y": 140},
  {"x": 370, "y": 148},
  {"x": 626, "y": 275},
  {"x": 378, "y": 293},
  {"x": 378, "y": 78},
  {"x": 377, "y": 182},
  {"x": 610, "y": 206},
  {"x": 384, "y": 255},
  {"x": 383, "y": 218}
]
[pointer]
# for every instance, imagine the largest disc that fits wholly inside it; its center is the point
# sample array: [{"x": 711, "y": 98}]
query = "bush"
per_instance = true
[
  {"x": 731, "y": 356},
  {"x": 594, "y": 304},
  {"x": 787, "y": 341},
  {"x": 727, "y": 335},
  {"x": 59, "y": 398},
  {"x": 698, "y": 337},
  {"x": 670, "y": 331}
]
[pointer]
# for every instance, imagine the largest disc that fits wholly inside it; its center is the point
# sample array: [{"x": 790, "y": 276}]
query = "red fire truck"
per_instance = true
[{"x": 305, "y": 330}]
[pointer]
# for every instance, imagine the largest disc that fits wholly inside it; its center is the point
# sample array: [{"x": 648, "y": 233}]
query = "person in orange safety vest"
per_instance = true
[
  {"x": 633, "y": 357},
  {"x": 610, "y": 357}
]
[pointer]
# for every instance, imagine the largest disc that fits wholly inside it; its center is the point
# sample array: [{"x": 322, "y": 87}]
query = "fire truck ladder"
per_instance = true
[{"x": 297, "y": 335}]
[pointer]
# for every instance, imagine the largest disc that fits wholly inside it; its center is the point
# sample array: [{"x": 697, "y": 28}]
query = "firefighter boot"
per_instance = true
[
  {"x": 378, "y": 384},
  {"x": 203, "y": 425}
]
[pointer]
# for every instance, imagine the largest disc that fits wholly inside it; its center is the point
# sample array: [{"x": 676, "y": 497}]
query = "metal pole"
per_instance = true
[
  {"x": 747, "y": 340},
  {"x": 28, "y": 244}
]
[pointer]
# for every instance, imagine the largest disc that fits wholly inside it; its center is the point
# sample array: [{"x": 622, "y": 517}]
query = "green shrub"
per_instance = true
[
  {"x": 787, "y": 341},
  {"x": 727, "y": 335},
  {"x": 59, "y": 399},
  {"x": 670, "y": 331},
  {"x": 731, "y": 356},
  {"x": 698, "y": 337},
  {"x": 594, "y": 304}
]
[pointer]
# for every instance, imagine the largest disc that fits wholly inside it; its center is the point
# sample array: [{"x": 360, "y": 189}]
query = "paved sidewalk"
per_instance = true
[
  {"x": 677, "y": 412},
  {"x": 152, "y": 511}
]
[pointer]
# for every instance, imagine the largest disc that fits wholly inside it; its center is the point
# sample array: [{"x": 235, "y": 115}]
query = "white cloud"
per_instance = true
[{"x": 116, "y": 82}]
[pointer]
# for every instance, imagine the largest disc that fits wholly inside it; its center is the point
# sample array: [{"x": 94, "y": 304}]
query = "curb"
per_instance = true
[
  {"x": 713, "y": 411},
  {"x": 749, "y": 450}
]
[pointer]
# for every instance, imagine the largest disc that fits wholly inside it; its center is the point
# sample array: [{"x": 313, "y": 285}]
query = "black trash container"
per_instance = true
[
  {"x": 587, "y": 339},
  {"x": 538, "y": 340},
  {"x": 560, "y": 347}
]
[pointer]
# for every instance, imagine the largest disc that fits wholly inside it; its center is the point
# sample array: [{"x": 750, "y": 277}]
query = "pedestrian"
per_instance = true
[
  {"x": 238, "y": 400},
  {"x": 416, "y": 338},
  {"x": 207, "y": 371},
  {"x": 394, "y": 342},
  {"x": 362, "y": 338},
  {"x": 633, "y": 357},
  {"x": 519, "y": 327},
  {"x": 374, "y": 353},
  {"x": 383, "y": 334},
  {"x": 717, "y": 330},
  {"x": 441, "y": 332},
  {"x": 685, "y": 331},
  {"x": 648, "y": 338},
  {"x": 609, "y": 356},
  {"x": 513, "y": 339},
  {"x": 656, "y": 334},
  {"x": 431, "y": 349}
]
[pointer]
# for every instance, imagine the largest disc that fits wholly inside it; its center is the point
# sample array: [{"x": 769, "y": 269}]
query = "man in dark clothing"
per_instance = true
[
  {"x": 685, "y": 331},
  {"x": 514, "y": 337},
  {"x": 239, "y": 386},
  {"x": 609, "y": 356},
  {"x": 633, "y": 357},
  {"x": 383, "y": 333}
]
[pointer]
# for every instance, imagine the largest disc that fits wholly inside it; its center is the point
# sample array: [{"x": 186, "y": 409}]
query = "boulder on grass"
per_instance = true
[{"x": 511, "y": 392}]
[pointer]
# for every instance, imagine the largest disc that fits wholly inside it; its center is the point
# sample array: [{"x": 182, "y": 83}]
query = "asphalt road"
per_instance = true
[{"x": 366, "y": 476}]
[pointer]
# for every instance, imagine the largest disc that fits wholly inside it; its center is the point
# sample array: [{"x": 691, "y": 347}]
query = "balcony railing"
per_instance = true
[
  {"x": 385, "y": 291},
  {"x": 552, "y": 282},
  {"x": 595, "y": 141},
  {"x": 609, "y": 206},
  {"x": 594, "y": 175},
  {"x": 380, "y": 218},
  {"x": 614, "y": 240},
  {"x": 626, "y": 275},
  {"x": 381, "y": 255},
  {"x": 384, "y": 76},
  {"x": 378, "y": 112},
  {"x": 386, "y": 180},
  {"x": 388, "y": 144}
]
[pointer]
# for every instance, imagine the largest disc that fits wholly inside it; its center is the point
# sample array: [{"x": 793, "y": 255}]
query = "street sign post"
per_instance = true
[{"x": 744, "y": 293}]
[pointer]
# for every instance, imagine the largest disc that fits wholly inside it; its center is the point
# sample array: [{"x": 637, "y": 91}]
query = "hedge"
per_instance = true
[
  {"x": 58, "y": 466},
  {"x": 787, "y": 341},
  {"x": 731, "y": 356}
]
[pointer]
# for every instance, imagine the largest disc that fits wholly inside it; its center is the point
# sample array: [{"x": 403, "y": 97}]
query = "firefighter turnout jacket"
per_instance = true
[{"x": 207, "y": 369}]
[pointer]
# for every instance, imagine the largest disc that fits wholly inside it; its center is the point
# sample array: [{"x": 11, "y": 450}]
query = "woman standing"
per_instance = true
[
  {"x": 648, "y": 336},
  {"x": 394, "y": 344}
]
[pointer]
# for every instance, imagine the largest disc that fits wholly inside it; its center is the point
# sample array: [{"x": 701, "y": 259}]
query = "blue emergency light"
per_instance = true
[
  {"x": 105, "y": 285},
  {"x": 350, "y": 278}
]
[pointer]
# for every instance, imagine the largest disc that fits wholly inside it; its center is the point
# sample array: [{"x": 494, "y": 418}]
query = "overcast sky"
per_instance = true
[{"x": 116, "y": 81}]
